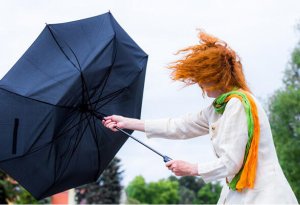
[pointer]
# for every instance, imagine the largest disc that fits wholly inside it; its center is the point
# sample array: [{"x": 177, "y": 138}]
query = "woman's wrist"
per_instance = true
[
  {"x": 134, "y": 124},
  {"x": 194, "y": 170}
]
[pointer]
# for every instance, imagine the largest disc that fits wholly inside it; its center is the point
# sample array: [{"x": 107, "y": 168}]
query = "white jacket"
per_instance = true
[{"x": 229, "y": 135}]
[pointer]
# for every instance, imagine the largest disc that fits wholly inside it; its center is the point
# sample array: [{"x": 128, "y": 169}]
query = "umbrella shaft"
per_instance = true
[{"x": 140, "y": 142}]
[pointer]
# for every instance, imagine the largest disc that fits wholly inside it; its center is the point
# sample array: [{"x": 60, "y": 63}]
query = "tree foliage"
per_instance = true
[
  {"x": 183, "y": 190},
  {"x": 12, "y": 192},
  {"x": 292, "y": 73},
  {"x": 284, "y": 115},
  {"x": 107, "y": 190},
  {"x": 209, "y": 194},
  {"x": 162, "y": 192},
  {"x": 192, "y": 183}
]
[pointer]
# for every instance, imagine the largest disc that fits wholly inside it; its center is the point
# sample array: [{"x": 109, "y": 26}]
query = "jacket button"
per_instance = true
[{"x": 213, "y": 128}]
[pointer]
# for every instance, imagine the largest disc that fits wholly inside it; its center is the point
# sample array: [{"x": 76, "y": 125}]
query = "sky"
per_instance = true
[{"x": 262, "y": 32}]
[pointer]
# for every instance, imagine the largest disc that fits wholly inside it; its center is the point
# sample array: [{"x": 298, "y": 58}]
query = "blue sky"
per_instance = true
[{"x": 261, "y": 31}]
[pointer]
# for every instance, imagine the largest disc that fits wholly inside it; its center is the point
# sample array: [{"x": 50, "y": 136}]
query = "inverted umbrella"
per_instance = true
[{"x": 53, "y": 97}]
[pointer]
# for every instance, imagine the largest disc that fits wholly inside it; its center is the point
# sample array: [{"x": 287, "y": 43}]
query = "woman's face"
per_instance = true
[{"x": 210, "y": 93}]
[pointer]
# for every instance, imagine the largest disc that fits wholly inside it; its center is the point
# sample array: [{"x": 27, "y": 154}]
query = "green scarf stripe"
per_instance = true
[{"x": 219, "y": 105}]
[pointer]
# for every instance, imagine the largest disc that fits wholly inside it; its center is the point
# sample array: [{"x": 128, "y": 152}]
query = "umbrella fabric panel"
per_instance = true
[
  {"x": 42, "y": 73},
  {"x": 63, "y": 162},
  {"x": 37, "y": 124},
  {"x": 87, "y": 38}
]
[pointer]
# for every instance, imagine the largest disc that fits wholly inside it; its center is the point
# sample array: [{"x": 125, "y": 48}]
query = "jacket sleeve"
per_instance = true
[
  {"x": 189, "y": 126},
  {"x": 231, "y": 141}
]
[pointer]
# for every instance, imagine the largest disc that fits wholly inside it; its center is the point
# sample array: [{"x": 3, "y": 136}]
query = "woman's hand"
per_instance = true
[
  {"x": 182, "y": 168},
  {"x": 121, "y": 122},
  {"x": 114, "y": 121}
]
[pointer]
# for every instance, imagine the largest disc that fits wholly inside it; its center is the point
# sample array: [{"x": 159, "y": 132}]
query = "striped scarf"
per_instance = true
[{"x": 245, "y": 178}]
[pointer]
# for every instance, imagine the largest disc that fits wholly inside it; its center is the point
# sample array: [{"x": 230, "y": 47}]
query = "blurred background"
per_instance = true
[{"x": 264, "y": 33}]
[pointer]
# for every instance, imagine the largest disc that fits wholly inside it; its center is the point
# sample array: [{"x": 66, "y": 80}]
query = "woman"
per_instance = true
[{"x": 236, "y": 122}]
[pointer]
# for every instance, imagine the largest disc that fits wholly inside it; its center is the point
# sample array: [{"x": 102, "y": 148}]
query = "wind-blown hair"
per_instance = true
[{"x": 211, "y": 61}]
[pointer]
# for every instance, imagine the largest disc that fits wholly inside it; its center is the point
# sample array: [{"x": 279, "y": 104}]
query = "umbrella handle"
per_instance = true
[{"x": 166, "y": 158}]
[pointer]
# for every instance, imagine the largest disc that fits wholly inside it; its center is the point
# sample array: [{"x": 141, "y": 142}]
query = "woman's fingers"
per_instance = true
[
  {"x": 111, "y": 125},
  {"x": 104, "y": 122},
  {"x": 108, "y": 117},
  {"x": 182, "y": 168},
  {"x": 113, "y": 121},
  {"x": 170, "y": 164}
]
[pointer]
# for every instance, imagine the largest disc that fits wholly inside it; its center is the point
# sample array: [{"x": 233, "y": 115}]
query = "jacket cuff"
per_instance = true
[{"x": 212, "y": 171}]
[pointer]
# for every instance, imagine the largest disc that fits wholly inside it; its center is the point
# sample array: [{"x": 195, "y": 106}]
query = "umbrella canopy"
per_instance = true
[{"x": 53, "y": 97}]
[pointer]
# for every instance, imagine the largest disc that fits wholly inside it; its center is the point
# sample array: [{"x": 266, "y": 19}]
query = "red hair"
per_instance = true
[{"x": 211, "y": 61}]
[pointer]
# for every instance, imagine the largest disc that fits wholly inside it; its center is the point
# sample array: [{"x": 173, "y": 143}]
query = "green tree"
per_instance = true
[
  {"x": 107, "y": 189},
  {"x": 13, "y": 192},
  {"x": 192, "y": 183},
  {"x": 292, "y": 73},
  {"x": 3, "y": 187},
  {"x": 136, "y": 190},
  {"x": 162, "y": 192},
  {"x": 284, "y": 115},
  {"x": 183, "y": 190},
  {"x": 209, "y": 194},
  {"x": 186, "y": 196},
  {"x": 188, "y": 188}
]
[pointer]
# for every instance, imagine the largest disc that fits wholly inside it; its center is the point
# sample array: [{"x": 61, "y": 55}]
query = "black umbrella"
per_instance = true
[{"x": 53, "y": 97}]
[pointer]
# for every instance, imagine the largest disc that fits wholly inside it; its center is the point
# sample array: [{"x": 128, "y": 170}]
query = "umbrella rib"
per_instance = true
[
  {"x": 75, "y": 147},
  {"x": 70, "y": 122},
  {"x": 73, "y": 52},
  {"x": 111, "y": 99},
  {"x": 67, "y": 130},
  {"x": 55, "y": 168},
  {"x": 43, "y": 72},
  {"x": 99, "y": 115},
  {"x": 85, "y": 89},
  {"x": 82, "y": 89},
  {"x": 102, "y": 85},
  {"x": 62, "y": 170},
  {"x": 109, "y": 71},
  {"x": 109, "y": 95},
  {"x": 83, "y": 82},
  {"x": 96, "y": 57},
  {"x": 51, "y": 30},
  {"x": 82, "y": 133},
  {"x": 59, "y": 106},
  {"x": 80, "y": 120},
  {"x": 37, "y": 139},
  {"x": 57, "y": 178},
  {"x": 95, "y": 125},
  {"x": 106, "y": 79},
  {"x": 77, "y": 132},
  {"x": 95, "y": 137}
]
